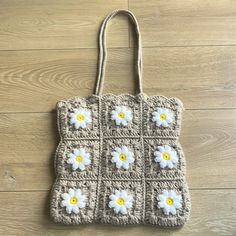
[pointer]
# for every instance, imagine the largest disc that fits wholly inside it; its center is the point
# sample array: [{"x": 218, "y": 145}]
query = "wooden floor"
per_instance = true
[{"x": 48, "y": 52}]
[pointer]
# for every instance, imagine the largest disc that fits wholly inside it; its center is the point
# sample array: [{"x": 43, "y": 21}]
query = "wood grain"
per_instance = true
[
  {"x": 29, "y": 142},
  {"x": 29, "y": 215},
  {"x": 58, "y": 24},
  {"x": 188, "y": 22},
  {"x": 48, "y": 52},
  {"x": 202, "y": 77}
]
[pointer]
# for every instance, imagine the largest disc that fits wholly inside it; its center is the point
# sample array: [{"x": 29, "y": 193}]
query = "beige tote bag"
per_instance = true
[{"x": 119, "y": 160}]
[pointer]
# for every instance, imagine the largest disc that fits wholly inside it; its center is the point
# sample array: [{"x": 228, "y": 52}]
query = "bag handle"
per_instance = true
[{"x": 103, "y": 51}]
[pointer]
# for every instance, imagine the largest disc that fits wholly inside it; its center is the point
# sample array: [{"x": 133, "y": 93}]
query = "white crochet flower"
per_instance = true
[
  {"x": 79, "y": 159},
  {"x": 122, "y": 115},
  {"x": 166, "y": 156},
  {"x": 163, "y": 117},
  {"x": 169, "y": 201},
  {"x": 121, "y": 201},
  {"x": 73, "y": 201},
  {"x": 122, "y": 157},
  {"x": 80, "y": 118}
]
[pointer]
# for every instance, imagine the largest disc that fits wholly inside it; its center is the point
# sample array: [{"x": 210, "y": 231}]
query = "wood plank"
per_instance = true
[
  {"x": 29, "y": 140},
  {"x": 29, "y": 215},
  {"x": 202, "y": 77},
  {"x": 58, "y": 24},
  {"x": 188, "y": 22}
]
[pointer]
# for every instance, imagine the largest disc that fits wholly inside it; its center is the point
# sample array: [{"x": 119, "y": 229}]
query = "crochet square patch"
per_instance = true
[
  {"x": 66, "y": 108},
  {"x": 68, "y": 148},
  {"x": 109, "y": 167},
  {"x": 109, "y": 126},
  {"x": 136, "y": 213},
  {"x": 63, "y": 214},
  {"x": 119, "y": 161},
  {"x": 150, "y": 105},
  {"x": 153, "y": 168},
  {"x": 158, "y": 215}
]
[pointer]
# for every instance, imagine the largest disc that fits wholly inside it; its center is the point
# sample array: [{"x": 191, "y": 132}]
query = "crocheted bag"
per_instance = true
[{"x": 119, "y": 160}]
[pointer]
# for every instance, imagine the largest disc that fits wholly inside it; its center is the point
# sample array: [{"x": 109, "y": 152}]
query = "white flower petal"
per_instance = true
[
  {"x": 125, "y": 165},
  {"x": 118, "y": 150},
  {"x": 130, "y": 159},
  {"x": 81, "y": 166},
  {"x": 81, "y": 204},
  {"x": 117, "y": 192},
  {"x": 124, "y": 149},
  {"x": 71, "y": 160},
  {"x": 177, "y": 204},
  {"x": 86, "y": 161},
  {"x": 123, "y": 210},
  {"x": 117, "y": 209},
  {"x": 119, "y": 164},
  {"x": 87, "y": 120},
  {"x": 173, "y": 210},
  {"x": 159, "y": 110},
  {"x": 124, "y": 122},
  {"x": 158, "y": 159},
  {"x": 118, "y": 109},
  {"x": 69, "y": 209},
  {"x": 77, "y": 125},
  {"x": 114, "y": 159},
  {"x": 161, "y": 149},
  {"x": 165, "y": 193},
  {"x": 65, "y": 196},
  {"x": 75, "y": 166},
  {"x": 161, "y": 204},
  {"x": 166, "y": 210},
  {"x": 165, "y": 124},
  {"x": 75, "y": 209},
  {"x": 64, "y": 203},
  {"x": 161, "y": 197},
  {"x": 128, "y": 204},
  {"x": 71, "y": 192},
  {"x": 112, "y": 204},
  {"x": 123, "y": 194},
  {"x": 118, "y": 121},
  {"x": 113, "y": 197},
  {"x": 167, "y": 148},
  {"x": 76, "y": 152},
  {"x": 163, "y": 163}
]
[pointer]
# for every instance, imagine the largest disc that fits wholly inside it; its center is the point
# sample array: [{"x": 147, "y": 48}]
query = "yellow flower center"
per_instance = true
[
  {"x": 162, "y": 116},
  {"x": 122, "y": 157},
  {"x": 80, "y": 117},
  {"x": 73, "y": 200},
  {"x": 169, "y": 201},
  {"x": 78, "y": 158},
  {"x": 120, "y": 201},
  {"x": 166, "y": 156},
  {"x": 121, "y": 115}
]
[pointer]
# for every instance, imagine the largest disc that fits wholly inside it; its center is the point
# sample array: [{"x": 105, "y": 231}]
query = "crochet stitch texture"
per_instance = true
[{"x": 156, "y": 195}]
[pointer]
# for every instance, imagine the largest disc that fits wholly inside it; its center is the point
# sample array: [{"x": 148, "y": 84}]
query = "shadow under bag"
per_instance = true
[{"x": 119, "y": 160}]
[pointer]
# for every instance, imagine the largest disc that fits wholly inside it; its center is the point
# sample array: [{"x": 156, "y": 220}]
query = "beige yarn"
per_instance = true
[{"x": 145, "y": 180}]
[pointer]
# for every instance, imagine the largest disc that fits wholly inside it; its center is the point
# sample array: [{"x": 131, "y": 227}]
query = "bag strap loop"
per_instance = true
[{"x": 103, "y": 51}]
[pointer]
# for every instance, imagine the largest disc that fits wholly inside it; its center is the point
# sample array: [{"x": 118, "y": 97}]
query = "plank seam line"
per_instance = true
[{"x": 125, "y": 47}]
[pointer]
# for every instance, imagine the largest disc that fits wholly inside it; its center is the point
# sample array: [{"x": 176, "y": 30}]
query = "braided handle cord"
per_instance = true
[{"x": 103, "y": 51}]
